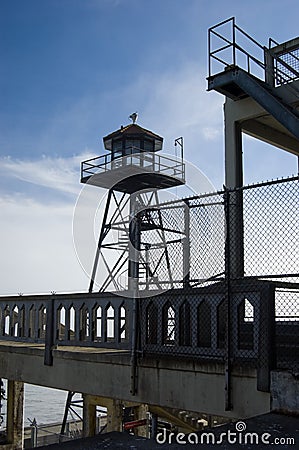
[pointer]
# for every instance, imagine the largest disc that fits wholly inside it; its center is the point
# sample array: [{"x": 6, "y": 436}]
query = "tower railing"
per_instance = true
[
  {"x": 286, "y": 63},
  {"x": 147, "y": 161},
  {"x": 230, "y": 46}
]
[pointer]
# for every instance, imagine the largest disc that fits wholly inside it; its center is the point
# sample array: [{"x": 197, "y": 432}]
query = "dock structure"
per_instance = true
[{"x": 200, "y": 311}]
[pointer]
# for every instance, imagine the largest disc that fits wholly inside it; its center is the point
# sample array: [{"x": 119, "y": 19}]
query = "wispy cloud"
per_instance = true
[
  {"x": 59, "y": 174},
  {"x": 36, "y": 226}
]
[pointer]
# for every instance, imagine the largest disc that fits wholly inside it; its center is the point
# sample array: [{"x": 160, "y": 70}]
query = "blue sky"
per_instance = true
[{"x": 71, "y": 72}]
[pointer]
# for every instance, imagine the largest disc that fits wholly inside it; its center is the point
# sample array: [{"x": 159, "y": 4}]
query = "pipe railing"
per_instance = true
[
  {"x": 230, "y": 52},
  {"x": 147, "y": 161}
]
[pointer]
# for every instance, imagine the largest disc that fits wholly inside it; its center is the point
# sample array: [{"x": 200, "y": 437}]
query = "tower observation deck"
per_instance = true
[{"x": 133, "y": 163}]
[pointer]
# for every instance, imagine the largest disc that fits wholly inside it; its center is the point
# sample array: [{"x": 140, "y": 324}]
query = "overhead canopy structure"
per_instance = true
[{"x": 261, "y": 86}]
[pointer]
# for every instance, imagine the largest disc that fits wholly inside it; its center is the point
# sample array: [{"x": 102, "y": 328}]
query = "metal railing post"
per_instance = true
[
  {"x": 266, "y": 338},
  {"x": 33, "y": 434},
  {"x": 234, "y": 41},
  {"x": 269, "y": 67},
  {"x": 49, "y": 338},
  {"x": 209, "y": 51}
]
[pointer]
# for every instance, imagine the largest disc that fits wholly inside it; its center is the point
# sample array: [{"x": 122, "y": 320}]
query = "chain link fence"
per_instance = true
[
  {"x": 271, "y": 220},
  {"x": 218, "y": 281},
  {"x": 235, "y": 288}
]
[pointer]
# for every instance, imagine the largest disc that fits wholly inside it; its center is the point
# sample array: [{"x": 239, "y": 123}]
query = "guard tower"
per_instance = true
[{"x": 133, "y": 171}]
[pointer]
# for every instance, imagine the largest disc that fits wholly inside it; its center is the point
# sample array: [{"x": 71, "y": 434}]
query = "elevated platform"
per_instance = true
[
  {"x": 280, "y": 107},
  {"x": 65, "y": 341},
  {"x": 133, "y": 172},
  {"x": 261, "y": 86},
  {"x": 107, "y": 372},
  {"x": 226, "y": 83},
  {"x": 131, "y": 179}
]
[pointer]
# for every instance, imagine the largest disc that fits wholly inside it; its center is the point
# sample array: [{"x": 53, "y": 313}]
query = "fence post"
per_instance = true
[
  {"x": 228, "y": 384},
  {"x": 133, "y": 280},
  {"x": 186, "y": 245},
  {"x": 49, "y": 339},
  {"x": 267, "y": 344}
]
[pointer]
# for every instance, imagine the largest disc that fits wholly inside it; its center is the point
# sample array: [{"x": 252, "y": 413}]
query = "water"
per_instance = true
[{"x": 44, "y": 404}]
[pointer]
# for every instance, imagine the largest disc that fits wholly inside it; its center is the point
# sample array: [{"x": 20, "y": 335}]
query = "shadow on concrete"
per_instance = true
[{"x": 269, "y": 431}]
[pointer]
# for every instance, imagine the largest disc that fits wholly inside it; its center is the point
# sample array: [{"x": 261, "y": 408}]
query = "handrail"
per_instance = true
[
  {"x": 158, "y": 163},
  {"x": 281, "y": 75},
  {"x": 231, "y": 43},
  {"x": 271, "y": 71}
]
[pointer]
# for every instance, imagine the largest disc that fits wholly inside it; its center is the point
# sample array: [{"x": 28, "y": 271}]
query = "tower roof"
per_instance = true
[{"x": 132, "y": 131}]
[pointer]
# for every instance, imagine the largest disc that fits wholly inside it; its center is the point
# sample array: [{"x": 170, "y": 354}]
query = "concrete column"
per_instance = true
[
  {"x": 141, "y": 413},
  {"x": 15, "y": 406},
  {"x": 233, "y": 148},
  {"x": 89, "y": 416},
  {"x": 234, "y": 179},
  {"x": 114, "y": 415}
]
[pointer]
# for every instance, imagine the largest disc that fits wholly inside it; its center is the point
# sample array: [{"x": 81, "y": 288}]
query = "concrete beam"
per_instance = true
[
  {"x": 271, "y": 136},
  {"x": 186, "y": 385},
  {"x": 249, "y": 116}
]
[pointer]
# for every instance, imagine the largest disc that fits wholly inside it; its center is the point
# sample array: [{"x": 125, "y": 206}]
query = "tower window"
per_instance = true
[
  {"x": 132, "y": 146},
  {"x": 117, "y": 149},
  {"x": 148, "y": 146}
]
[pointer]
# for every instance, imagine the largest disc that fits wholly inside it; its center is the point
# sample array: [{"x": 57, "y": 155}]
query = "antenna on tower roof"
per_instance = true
[{"x": 134, "y": 117}]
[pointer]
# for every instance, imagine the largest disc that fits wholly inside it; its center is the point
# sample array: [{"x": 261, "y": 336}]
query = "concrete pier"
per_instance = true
[{"x": 15, "y": 406}]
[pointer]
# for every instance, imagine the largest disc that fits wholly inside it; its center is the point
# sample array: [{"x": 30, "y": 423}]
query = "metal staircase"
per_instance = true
[{"x": 262, "y": 73}]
